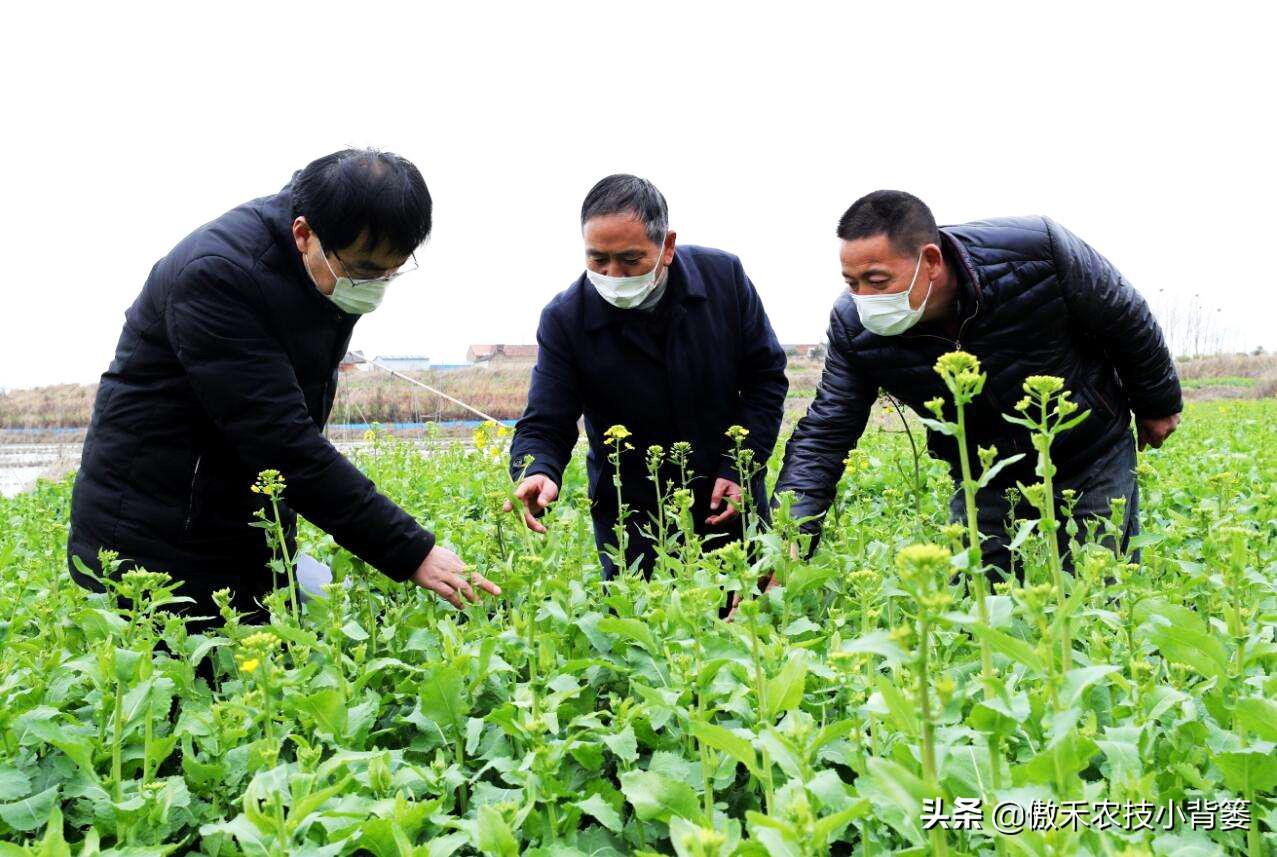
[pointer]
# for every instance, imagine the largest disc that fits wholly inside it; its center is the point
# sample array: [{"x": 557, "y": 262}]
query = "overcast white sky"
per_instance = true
[{"x": 1145, "y": 128}]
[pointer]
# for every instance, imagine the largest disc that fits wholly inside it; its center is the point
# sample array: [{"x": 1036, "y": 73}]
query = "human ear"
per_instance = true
[{"x": 301, "y": 234}]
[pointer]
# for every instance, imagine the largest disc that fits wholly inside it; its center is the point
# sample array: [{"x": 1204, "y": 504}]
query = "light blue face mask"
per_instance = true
[{"x": 359, "y": 297}]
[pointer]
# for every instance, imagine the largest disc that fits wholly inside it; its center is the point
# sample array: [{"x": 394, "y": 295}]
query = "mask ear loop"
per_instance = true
[
  {"x": 324, "y": 255},
  {"x": 930, "y": 282}
]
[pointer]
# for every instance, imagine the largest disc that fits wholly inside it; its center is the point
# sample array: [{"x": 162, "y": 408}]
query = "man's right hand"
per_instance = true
[
  {"x": 443, "y": 573},
  {"x": 535, "y": 493}
]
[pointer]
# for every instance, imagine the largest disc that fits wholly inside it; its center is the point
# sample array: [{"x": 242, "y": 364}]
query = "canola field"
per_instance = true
[{"x": 883, "y": 700}]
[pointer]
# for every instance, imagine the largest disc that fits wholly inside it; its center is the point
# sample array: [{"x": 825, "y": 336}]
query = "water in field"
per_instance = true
[{"x": 22, "y": 463}]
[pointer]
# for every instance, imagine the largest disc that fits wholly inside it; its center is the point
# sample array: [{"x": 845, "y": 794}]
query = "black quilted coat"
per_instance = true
[
  {"x": 1034, "y": 299},
  {"x": 227, "y": 365}
]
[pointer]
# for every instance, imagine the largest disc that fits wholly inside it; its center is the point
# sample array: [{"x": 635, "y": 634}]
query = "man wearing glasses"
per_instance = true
[{"x": 227, "y": 366}]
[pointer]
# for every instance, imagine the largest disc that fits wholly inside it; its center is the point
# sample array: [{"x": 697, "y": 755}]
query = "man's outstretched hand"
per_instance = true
[
  {"x": 536, "y": 493},
  {"x": 771, "y": 584},
  {"x": 1155, "y": 432},
  {"x": 724, "y": 489},
  {"x": 443, "y": 573}
]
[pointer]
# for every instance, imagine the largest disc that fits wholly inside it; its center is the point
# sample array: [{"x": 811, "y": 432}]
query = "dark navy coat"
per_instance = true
[
  {"x": 705, "y": 360},
  {"x": 227, "y": 365}
]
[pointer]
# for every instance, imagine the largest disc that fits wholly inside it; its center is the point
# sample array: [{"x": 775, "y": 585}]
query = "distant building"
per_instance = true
[
  {"x": 352, "y": 361},
  {"x": 404, "y": 362},
  {"x": 806, "y": 351},
  {"x": 488, "y": 353}
]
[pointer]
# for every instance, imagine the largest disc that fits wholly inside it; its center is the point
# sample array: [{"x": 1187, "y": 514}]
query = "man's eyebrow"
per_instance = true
[{"x": 631, "y": 251}]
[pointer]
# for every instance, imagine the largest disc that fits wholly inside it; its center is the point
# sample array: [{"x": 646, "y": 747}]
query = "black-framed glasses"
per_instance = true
[{"x": 406, "y": 268}]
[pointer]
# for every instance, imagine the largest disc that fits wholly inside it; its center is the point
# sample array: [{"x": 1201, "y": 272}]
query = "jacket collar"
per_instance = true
[
  {"x": 685, "y": 284},
  {"x": 969, "y": 280},
  {"x": 277, "y": 212}
]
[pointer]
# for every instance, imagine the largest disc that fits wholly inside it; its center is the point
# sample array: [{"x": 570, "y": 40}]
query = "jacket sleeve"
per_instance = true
[
  {"x": 1107, "y": 308},
  {"x": 245, "y": 381},
  {"x": 763, "y": 384},
  {"x": 831, "y": 427},
  {"x": 547, "y": 430}
]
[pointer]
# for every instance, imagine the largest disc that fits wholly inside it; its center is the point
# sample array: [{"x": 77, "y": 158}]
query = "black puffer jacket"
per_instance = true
[
  {"x": 1034, "y": 299},
  {"x": 227, "y": 365}
]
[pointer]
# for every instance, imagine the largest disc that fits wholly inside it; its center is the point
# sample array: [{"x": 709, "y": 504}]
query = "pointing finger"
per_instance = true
[
  {"x": 445, "y": 592},
  {"x": 460, "y": 584},
  {"x": 485, "y": 584}
]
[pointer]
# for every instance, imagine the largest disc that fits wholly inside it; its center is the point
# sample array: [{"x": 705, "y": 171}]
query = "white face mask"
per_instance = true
[
  {"x": 627, "y": 292},
  {"x": 888, "y": 315}
]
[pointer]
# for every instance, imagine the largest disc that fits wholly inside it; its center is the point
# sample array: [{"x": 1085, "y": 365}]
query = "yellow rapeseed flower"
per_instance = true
[
  {"x": 1043, "y": 385},
  {"x": 616, "y": 434}
]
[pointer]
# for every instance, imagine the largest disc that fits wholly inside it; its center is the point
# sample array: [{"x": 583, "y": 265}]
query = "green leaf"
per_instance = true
[
  {"x": 1249, "y": 772},
  {"x": 446, "y": 845},
  {"x": 354, "y": 631},
  {"x": 945, "y": 428},
  {"x": 79, "y": 748},
  {"x": 784, "y": 691},
  {"x": 201, "y": 651},
  {"x": 1013, "y": 647},
  {"x": 474, "y": 731},
  {"x": 989, "y": 475},
  {"x": 999, "y": 715},
  {"x": 876, "y": 643},
  {"x": 1185, "y": 645},
  {"x": 444, "y": 700},
  {"x": 1076, "y": 682},
  {"x": 830, "y": 824},
  {"x": 728, "y": 742},
  {"x": 596, "y": 806},
  {"x": 1259, "y": 716},
  {"x": 901, "y": 710},
  {"x": 493, "y": 835},
  {"x": 657, "y": 797},
  {"x": 328, "y": 709},
  {"x": 30, "y": 813},
  {"x": 623, "y": 744},
  {"x": 631, "y": 629},
  {"x": 13, "y": 783},
  {"x": 1066, "y": 758},
  {"x": 897, "y": 793}
]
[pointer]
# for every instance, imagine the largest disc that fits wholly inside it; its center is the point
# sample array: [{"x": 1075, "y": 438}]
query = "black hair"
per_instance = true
[
  {"x": 902, "y": 217},
  {"x": 622, "y": 193},
  {"x": 358, "y": 192}
]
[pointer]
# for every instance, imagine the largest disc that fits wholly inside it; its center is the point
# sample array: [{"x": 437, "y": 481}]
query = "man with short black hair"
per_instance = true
[
  {"x": 671, "y": 342},
  {"x": 227, "y": 366},
  {"x": 1026, "y": 297}
]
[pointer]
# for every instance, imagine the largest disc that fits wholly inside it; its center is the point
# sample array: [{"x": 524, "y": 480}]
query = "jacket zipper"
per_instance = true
[
  {"x": 190, "y": 503},
  {"x": 957, "y": 342}
]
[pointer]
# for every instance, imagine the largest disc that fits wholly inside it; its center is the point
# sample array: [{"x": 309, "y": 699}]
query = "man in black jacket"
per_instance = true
[
  {"x": 670, "y": 342},
  {"x": 1026, "y": 297},
  {"x": 227, "y": 366}
]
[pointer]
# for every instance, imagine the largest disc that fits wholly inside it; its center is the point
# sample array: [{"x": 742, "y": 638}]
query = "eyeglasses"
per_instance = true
[{"x": 406, "y": 268}]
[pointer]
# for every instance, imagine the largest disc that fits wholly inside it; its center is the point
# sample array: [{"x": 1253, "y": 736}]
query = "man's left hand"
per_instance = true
[
  {"x": 1155, "y": 432},
  {"x": 724, "y": 488}
]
